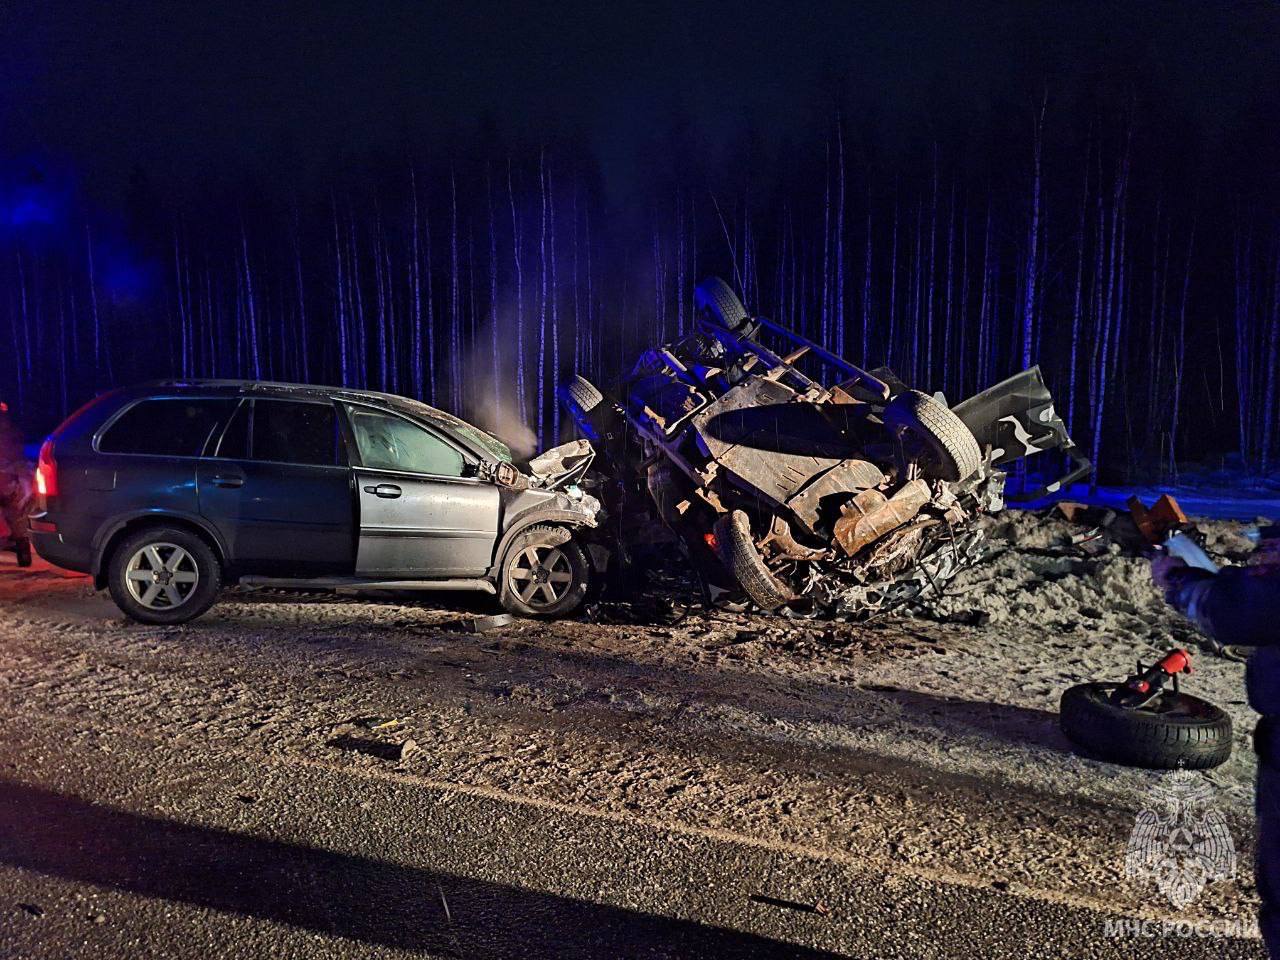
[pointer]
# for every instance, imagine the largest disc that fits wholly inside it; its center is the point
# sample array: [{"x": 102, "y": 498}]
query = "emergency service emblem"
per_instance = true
[{"x": 1179, "y": 842}]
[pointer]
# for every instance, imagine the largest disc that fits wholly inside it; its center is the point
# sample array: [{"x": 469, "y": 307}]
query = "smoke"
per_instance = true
[{"x": 492, "y": 387}]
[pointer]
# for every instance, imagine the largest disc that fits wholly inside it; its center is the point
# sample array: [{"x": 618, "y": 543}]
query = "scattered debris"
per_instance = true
[
  {"x": 1071, "y": 511},
  {"x": 382, "y": 749},
  {"x": 1158, "y": 522},
  {"x": 360, "y": 735},
  {"x": 448, "y": 914},
  {"x": 819, "y": 907},
  {"x": 482, "y": 624}
]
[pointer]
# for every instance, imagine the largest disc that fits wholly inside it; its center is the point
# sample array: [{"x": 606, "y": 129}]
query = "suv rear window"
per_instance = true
[
  {"x": 166, "y": 427},
  {"x": 287, "y": 431}
]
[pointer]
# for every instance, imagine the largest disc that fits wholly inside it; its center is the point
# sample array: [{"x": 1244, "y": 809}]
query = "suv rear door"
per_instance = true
[
  {"x": 145, "y": 461},
  {"x": 278, "y": 488},
  {"x": 423, "y": 512}
]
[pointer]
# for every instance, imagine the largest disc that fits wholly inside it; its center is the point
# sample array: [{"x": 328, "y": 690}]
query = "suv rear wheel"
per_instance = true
[
  {"x": 163, "y": 575},
  {"x": 545, "y": 573}
]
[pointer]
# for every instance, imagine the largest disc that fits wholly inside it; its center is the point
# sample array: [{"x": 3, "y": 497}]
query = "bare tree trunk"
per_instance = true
[
  {"x": 946, "y": 316},
  {"x": 555, "y": 310},
  {"x": 893, "y": 285},
  {"x": 343, "y": 353},
  {"x": 866, "y": 289},
  {"x": 495, "y": 344},
  {"x": 839, "y": 318},
  {"x": 455, "y": 314},
  {"x": 1180, "y": 363},
  {"x": 1076, "y": 312},
  {"x": 1113, "y": 307},
  {"x": 926, "y": 375},
  {"x": 1271, "y": 398},
  {"x": 251, "y": 310},
  {"x": 415, "y": 289},
  {"x": 304, "y": 362},
  {"x": 542, "y": 309},
  {"x": 1029, "y": 306}
]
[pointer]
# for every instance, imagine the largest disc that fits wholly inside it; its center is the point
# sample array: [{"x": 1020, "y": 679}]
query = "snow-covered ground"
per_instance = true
[
  {"x": 916, "y": 750},
  {"x": 1222, "y": 493}
]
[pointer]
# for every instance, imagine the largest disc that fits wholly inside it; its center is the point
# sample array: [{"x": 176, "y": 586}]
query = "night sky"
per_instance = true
[{"x": 209, "y": 91}]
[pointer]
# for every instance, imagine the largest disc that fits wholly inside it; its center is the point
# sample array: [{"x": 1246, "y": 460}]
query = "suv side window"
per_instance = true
[
  {"x": 166, "y": 427},
  {"x": 388, "y": 442},
  {"x": 234, "y": 442},
  {"x": 291, "y": 431}
]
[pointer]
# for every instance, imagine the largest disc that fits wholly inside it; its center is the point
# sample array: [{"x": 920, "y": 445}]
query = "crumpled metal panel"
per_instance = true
[
  {"x": 849, "y": 477},
  {"x": 759, "y": 432},
  {"x": 869, "y": 516}
]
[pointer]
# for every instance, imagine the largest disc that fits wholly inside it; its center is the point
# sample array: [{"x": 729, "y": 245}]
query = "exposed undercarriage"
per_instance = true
[{"x": 846, "y": 500}]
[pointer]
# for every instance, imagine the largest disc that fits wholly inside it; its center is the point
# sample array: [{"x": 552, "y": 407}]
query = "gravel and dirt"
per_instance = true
[{"x": 307, "y": 775}]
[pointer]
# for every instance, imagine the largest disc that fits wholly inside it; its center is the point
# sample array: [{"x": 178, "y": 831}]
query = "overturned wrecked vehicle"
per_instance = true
[{"x": 848, "y": 499}]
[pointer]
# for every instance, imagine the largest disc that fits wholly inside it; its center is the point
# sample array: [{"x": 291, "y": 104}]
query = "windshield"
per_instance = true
[{"x": 492, "y": 448}]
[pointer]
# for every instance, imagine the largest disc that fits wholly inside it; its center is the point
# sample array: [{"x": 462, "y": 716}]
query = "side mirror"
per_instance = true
[{"x": 507, "y": 475}]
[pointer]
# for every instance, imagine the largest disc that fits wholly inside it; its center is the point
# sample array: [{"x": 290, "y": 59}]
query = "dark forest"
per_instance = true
[{"x": 1124, "y": 238}]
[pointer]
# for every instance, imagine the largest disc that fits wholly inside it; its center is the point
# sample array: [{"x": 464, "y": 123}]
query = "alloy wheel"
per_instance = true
[
  {"x": 162, "y": 576},
  {"x": 540, "y": 575}
]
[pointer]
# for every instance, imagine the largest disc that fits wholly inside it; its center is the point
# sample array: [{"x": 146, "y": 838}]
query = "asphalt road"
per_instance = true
[{"x": 321, "y": 779}]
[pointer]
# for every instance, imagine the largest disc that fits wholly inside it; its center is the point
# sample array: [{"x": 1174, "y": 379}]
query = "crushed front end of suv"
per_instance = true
[{"x": 846, "y": 499}]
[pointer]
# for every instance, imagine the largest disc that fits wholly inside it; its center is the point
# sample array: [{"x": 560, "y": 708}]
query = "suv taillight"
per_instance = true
[{"x": 47, "y": 472}]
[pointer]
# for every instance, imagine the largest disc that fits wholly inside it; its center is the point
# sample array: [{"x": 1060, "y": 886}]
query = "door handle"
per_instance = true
[
  {"x": 224, "y": 481},
  {"x": 387, "y": 491}
]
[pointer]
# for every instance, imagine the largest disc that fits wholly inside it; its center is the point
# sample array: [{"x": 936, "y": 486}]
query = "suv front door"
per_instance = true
[
  {"x": 423, "y": 512},
  {"x": 278, "y": 488}
]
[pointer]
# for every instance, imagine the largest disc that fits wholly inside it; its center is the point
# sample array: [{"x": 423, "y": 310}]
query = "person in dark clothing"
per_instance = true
[
  {"x": 16, "y": 500},
  {"x": 1240, "y": 606}
]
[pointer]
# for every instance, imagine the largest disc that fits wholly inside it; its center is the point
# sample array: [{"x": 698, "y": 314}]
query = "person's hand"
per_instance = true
[{"x": 1164, "y": 571}]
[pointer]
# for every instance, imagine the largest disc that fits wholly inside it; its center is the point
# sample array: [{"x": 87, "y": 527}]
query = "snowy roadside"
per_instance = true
[
  {"x": 1207, "y": 494},
  {"x": 921, "y": 747}
]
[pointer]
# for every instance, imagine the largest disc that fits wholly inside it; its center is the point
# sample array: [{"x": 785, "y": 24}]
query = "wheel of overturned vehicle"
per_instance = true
[
  {"x": 717, "y": 298},
  {"x": 163, "y": 575},
  {"x": 947, "y": 448},
  {"x": 583, "y": 393},
  {"x": 1176, "y": 730},
  {"x": 586, "y": 404},
  {"x": 545, "y": 573},
  {"x": 738, "y": 552}
]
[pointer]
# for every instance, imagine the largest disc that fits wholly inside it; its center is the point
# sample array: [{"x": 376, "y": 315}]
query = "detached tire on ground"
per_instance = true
[
  {"x": 738, "y": 552},
  {"x": 163, "y": 575},
  {"x": 718, "y": 299},
  {"x": 1176, "y": 731},
  {"x": 545, "y": 573},
  {"x": 951, "y": 452}
]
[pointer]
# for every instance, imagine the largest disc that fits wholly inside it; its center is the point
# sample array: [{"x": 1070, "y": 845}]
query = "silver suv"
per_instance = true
[{"x": 167, "y": 491}]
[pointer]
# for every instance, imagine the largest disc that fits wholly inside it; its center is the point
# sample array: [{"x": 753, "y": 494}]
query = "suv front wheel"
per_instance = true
[
  {"x": 163, "y": 575},
  {"x": 545, "y": 573}
]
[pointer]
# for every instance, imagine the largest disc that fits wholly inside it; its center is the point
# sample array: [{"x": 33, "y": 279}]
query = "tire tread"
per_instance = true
[
  {"x": 739, "y": 553},
  {"x": 1144, "y": 739},
  {"x": 916, "y": 410}
]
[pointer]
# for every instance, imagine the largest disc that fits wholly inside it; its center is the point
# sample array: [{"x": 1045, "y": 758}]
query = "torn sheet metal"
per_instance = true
[{"x": 842, "y": 500}]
